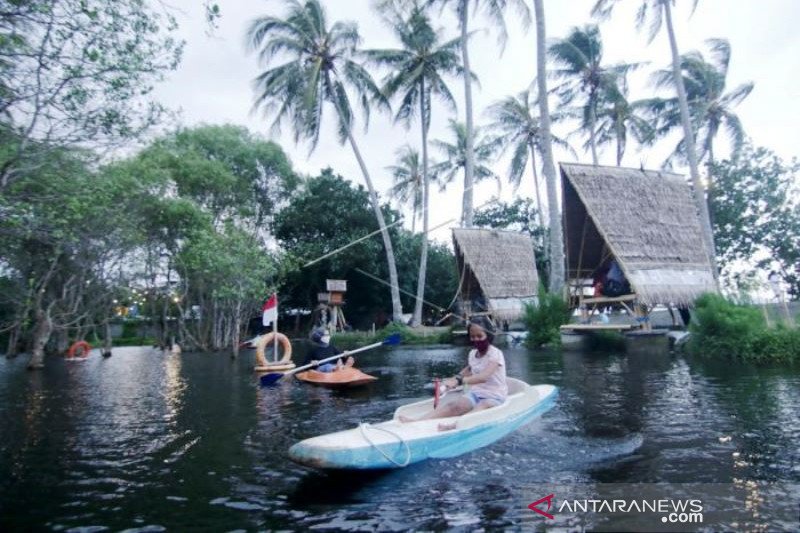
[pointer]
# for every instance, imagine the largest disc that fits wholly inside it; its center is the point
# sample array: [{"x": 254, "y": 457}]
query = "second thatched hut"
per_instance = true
[{"x": 497, "y": 272}]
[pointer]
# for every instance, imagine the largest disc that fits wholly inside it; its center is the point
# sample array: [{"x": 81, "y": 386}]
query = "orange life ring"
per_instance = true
[
  {"x": 79, "y": 345},
  {"x": 262, "y": 343}
]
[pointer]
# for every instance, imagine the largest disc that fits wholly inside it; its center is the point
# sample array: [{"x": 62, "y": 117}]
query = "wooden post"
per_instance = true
[{"x": 275, "y": 339}]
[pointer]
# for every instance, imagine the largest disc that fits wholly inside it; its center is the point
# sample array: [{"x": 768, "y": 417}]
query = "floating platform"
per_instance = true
[{"x": 596, "y": 327}]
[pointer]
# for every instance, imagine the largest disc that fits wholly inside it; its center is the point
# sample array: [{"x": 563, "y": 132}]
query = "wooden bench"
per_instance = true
[{"x": 639, "y": 312}]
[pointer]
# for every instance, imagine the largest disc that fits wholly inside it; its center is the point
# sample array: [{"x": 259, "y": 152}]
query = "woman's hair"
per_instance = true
[{"x": 483, "y": 323}]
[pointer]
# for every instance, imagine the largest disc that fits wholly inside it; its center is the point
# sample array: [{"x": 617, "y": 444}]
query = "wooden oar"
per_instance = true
[{"x": 270, "y": 379}]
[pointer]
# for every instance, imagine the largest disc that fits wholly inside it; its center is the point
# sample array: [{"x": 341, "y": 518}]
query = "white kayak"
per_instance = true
[{"x": 394, "y": 444}]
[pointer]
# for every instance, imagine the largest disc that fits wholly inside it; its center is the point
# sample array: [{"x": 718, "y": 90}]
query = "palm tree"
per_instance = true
[
  {"x": 710, "y": 107},
  {"x": 319, "y": 70},
  {"x": 416, "y": 72},
  {"x": 617, "y": 116},
  {"x": 407, "y": 177},
  {"x": 556, "y": 233},
  {"x": 455, "y": 156},
  {"x": 495, "y": 10},
  {"x": 660, "y": 11},
  {"x": 579, "y": 62},
  {"x": 517, "y": 127}
]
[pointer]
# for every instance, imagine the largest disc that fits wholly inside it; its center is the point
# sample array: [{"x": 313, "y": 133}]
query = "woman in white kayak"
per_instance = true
[{"x": 484, "y": 377}]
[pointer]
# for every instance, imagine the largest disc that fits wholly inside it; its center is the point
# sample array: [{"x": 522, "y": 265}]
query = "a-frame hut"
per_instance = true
[
  {"x": 497, "y": 272},
  {"x": 647, "y": 220}
]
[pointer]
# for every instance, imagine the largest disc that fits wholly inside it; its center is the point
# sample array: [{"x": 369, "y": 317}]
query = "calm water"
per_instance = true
[{"x": 145, "y": 441}]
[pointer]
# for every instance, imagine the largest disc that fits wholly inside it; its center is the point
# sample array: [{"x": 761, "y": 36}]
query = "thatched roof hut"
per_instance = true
[
  {"x": 498, "y": 271},
  {"x": 645, "y": 219}
]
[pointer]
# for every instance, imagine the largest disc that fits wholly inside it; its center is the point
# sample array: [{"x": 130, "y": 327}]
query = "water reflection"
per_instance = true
[{"x": 147, "y": 439}]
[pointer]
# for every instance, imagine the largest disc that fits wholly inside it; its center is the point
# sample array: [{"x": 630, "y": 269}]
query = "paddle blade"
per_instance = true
[
  {"x": 270, "y": 379},
  {"x": 393, "y": 340}
]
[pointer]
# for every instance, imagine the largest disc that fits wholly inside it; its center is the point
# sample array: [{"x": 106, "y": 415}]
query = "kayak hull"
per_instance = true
[
  {"x": 393, "y": 444},
  {"x": 342, "y": 378}
]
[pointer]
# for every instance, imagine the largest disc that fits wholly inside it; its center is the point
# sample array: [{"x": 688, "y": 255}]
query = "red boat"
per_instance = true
[{"x": 344, "y": 377}]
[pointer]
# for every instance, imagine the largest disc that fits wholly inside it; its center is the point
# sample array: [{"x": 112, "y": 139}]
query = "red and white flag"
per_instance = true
[{"x": 270, "y": 310}]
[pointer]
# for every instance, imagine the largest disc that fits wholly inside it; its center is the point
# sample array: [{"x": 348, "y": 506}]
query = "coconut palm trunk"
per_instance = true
[
  {"x": 536, "y": 185},
  {"x": 593, "y": 126},
  {"x": 397, "y": 310},
  {"x": 688, "y": 134},
  {"x": 556, "y": 233},
  {"x": 467, "y": 211},
  {"x": 394, "y": 286},
  {"x": 423, "y": 257}
]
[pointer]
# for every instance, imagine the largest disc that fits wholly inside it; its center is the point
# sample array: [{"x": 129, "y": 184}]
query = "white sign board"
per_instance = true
[{"x": 336, "y": 285}]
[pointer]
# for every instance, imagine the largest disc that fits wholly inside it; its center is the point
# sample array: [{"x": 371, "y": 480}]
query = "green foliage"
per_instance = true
[
  {"x": 755, "y": 212},
  {"x": 228, "y": 171},
  {"x": 135, "y": 341},
  {"x": 326, "y": 215},
  {"x": 130, "y": 328},
  {"x": 544, "y": 320},
  {"x": 354, "y": 339},
  {"x": 710, "y": 107},
  {"x": 80, "y": 71},
  {"x": 330, "y": 214},
  {"x": 724, "y": 329},
  {"x": 455, "y": 154},
  {"x": 294, "y": 93}
]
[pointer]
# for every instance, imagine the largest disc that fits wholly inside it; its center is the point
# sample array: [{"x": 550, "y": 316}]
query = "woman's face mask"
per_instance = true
[
  {"x": 481, "y": 344},
  {"x": 326, "y": 339},
  {"x": 478, "y": 339}
]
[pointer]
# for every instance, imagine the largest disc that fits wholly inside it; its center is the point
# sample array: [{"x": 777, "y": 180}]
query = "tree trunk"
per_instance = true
[
  {"x": 12, "y": 349},
  {"x": 41, "y": 334},
  {"x": 539, "y": 206},
  {"x": 62, "y": 341},
  {"x": 620, "y": 143},
  {"x": 688, "y": 135},
  {"x": 423, "y": 257},
  {"x": 556, "y": 233},
  {"x": 107, "y": 340},
  {"x": 237, "y": 326},
  {"x": 711, "y": 188},
  {"x": 469, "y": 166},
  {"x": 397, "y": 309},
  {"x": 394, "y": 286},
  {"x": 592, "y": 125}
]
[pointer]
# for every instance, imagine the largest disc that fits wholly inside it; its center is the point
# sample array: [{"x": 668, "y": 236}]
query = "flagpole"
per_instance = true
[{"x": 275, "y": 336}]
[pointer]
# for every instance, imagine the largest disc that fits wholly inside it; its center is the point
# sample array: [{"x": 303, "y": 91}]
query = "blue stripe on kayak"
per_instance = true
[{"x": 441, "y": 446}]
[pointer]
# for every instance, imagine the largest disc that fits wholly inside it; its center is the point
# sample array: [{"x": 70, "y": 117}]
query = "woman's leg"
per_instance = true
[
  {"x": 486, "y": 404},
  {"x": 457, "y": 408}
]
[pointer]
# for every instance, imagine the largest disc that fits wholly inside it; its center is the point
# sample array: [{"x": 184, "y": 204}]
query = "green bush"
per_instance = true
[
  {"x": 544, "y": 321},
  {"x": 723, "y": 328},
  {"x": 130, "y": 328},
  {"x": 354, "y": 339},
  {"x": 133, "y": 341}
]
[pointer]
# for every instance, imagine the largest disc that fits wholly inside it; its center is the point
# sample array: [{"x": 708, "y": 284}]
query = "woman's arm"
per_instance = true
[{"x": 490, "y": 369}]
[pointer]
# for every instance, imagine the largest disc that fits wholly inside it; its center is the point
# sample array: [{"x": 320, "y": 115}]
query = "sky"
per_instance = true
[{"x": 213, "y": 83}]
